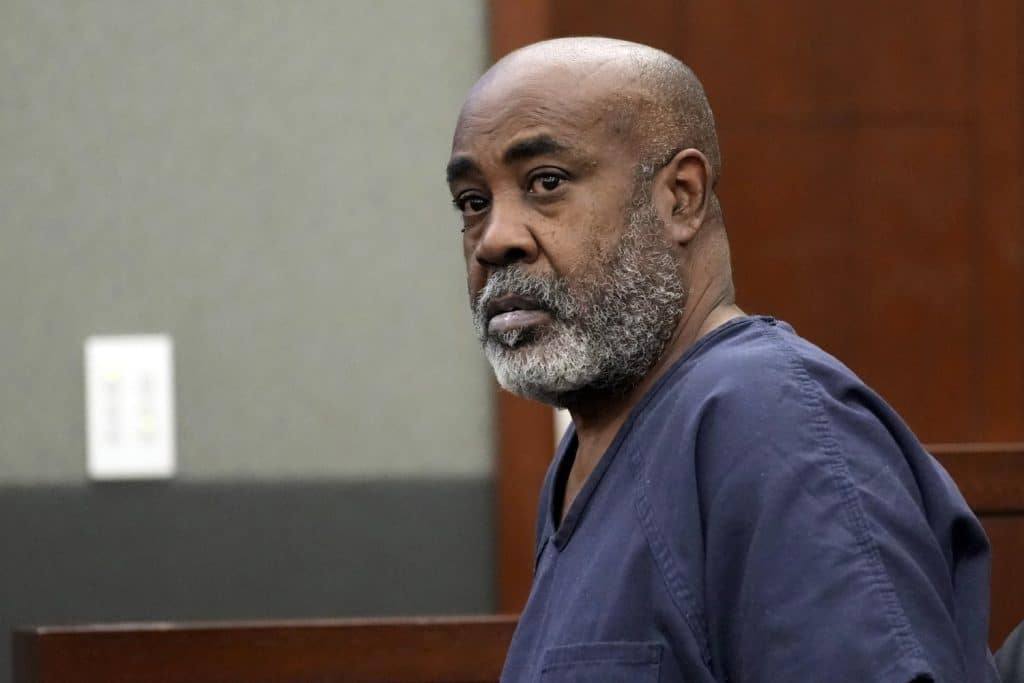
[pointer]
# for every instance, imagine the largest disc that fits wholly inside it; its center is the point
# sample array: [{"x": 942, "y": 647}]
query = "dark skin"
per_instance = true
[{"x": 541, "y": 171}]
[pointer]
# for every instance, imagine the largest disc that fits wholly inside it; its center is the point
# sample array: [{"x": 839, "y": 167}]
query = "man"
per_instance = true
[{"x": 732, "y": 503}]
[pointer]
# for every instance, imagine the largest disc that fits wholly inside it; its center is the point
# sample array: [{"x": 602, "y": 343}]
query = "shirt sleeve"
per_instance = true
[{"x": 820, "y": 553}]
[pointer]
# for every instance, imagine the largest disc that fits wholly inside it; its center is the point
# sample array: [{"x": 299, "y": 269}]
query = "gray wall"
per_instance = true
[{"x": 262, "y": 181}]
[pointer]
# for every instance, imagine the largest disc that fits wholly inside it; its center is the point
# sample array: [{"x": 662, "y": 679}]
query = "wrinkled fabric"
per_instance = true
[{"x": 761, "y": 516}]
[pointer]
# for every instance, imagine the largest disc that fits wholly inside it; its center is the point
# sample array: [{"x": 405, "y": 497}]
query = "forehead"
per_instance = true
[{"x": 555, "y": 101}]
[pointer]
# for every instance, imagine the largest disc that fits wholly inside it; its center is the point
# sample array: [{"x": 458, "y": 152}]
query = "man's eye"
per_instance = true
[
  {"x": 545, "y": 182},
  {"x": 470, "y": 204}
]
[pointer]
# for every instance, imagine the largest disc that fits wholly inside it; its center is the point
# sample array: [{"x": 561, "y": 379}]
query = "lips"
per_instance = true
[{"x": 514, "y": 312}]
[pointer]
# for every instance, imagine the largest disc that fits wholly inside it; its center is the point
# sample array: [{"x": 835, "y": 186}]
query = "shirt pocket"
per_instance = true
[{"x": 604, "y": 662}]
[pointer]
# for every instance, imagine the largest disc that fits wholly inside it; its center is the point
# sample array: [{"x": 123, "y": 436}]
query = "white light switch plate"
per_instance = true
[{"x": 129, "y": 399}]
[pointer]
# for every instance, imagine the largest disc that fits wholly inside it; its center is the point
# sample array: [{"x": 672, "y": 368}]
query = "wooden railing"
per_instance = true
[
  {"x": 420, "y": 650},
  {"x": 990, "y": 475}
]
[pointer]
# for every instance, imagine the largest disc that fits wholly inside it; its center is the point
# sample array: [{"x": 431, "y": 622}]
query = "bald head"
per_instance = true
[{"x": 648, "y": 96}]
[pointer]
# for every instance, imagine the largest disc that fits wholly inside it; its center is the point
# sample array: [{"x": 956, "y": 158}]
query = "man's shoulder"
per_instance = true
[
  {"x": 751, "y": 364},
  {"x": 758, "y": 396}
]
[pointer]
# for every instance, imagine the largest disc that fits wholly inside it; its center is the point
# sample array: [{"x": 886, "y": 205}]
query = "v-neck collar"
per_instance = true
[
  {"x": 559, "y": 533},
  {"x": 563, "y": 531}
]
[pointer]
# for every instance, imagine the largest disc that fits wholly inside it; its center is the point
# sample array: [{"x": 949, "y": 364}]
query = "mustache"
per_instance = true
[{"x": 549, "y": 293}]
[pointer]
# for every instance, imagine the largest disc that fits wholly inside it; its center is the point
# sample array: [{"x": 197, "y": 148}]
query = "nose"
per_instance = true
[{"x": 507, "y": 238}]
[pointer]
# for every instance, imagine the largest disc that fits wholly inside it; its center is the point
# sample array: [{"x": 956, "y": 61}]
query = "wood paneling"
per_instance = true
[
  {"x": 810, "y": 63},
  {"x": 873, "y": 188},
  {"x": 525, "y": 436},
  {"x": 869, "y": 119},
  {"x": 452, "y": 650},
  {"x": 658, "y": 23},
  {"x": 514, "y": 24},
  {"x": 998, "y": 225}
]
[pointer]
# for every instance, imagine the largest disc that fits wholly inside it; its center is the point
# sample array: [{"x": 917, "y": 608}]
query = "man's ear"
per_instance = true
[{"x": 683, "y": 188}]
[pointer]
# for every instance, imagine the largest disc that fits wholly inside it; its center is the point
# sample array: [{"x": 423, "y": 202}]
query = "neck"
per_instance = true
[{"x": 597, "y": 418}]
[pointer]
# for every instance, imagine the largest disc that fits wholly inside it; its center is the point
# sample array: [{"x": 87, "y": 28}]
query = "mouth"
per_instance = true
[{"x": 508, "y": 313}]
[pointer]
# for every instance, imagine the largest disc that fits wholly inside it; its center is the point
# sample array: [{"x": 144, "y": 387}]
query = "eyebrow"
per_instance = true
[
  {"x": 533, "y": 147},
  {"x": 461, "y": 166}
]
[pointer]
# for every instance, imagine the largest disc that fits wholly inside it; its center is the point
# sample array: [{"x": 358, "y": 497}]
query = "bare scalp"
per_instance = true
[{"x": 645, "y": 95}]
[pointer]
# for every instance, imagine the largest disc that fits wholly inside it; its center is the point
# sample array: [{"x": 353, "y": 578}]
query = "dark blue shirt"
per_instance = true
[{"x": 761, "y": 516}]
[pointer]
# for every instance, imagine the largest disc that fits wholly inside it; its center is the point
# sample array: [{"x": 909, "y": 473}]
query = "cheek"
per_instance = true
[
  {"x": 594, "y": 244},
  {"x": 573, "y": 236}
]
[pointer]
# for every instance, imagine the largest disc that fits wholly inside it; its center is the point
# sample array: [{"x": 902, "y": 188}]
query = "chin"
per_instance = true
[
  {"x": 536, "y": 392},
  {"x": 521, "y": 372},
  {"x": 558, "y": 379}
]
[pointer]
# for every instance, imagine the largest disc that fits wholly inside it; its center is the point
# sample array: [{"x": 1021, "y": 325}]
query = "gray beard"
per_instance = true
[{"x": 610, "y": 323}]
